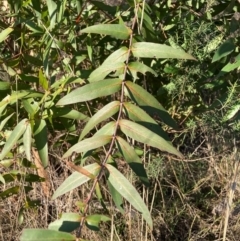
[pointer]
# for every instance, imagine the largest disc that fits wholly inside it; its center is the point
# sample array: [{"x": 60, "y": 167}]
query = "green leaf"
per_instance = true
[
  {"x": 117, "y": 198},
  {"x": 107, "y": 129},
  {"x": 4, "y": 34},
  {"x": 4, "y": 121},
  {"x": 118, "y": 31},
  {"x": 119, "y": 56},
  {"x": 52, "y": 10},
  {"x": 106, "y": 112},
  {"x": 27, "y": 141},
  {"x": 30, "y": 105},
  {"x": 132, "y": 159},
  {"x": 153, "y": 50},
  {"x": 141, "y": 117},
  {"x": 88, "y": 144},
  {"x": 92, "y": 91},
  {"x": 20, "y": 216},
  {"x": 14, "y": 191},
  {"x": 67, "y": 223},
  {"x": 42, "y": 80},
  {"x": 230, "y": 66},
  {"x": 136, "y": 67},
  {"x": 41, "y": 140},
  {"x": 148, "y": 103},
  {"x": 69, "y": 113},
  {"x": 101, "y": 72},
  {"x": 4, "y": 85},
  {"x": 125, "y": 188},
  {"x": 92, "y": 221},
  {"x": 45, "y": 235},
  {"x": 75, "y": 180},
  {"x": 14, "y": 137},
  {"x": 225, "y": 49},
  {"x": 142, "y": 134}
]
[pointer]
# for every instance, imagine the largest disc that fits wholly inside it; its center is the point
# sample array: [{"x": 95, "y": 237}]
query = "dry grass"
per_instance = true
[{"x": 188, "y": 199}]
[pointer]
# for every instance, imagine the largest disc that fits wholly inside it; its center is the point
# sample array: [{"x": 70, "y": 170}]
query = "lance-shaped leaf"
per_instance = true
[
  {"x": 45, "y": 234},
  {"x": 4, "y": 34},
  {"x": 67, "y": 223},
  {"x": 75, "y": 180},
  {"x": 4, "y": 121},
  {"x": 101, "y": 72},
  {"x": 117, "y": 198},
  {"x": 106, "y": 112},
  {"x": 225, "y": 49},
  {"x": 27, "y": 141},
  {"x": 126, "y": 189},
  {"x": 132, "y": 159},
  {"x": 162, "y": 51},
  {"x": 136, "y": 67},
  {"x": 69, "y": 113},
  {"x": 138, "y": 115},
  {"x": 88, "y": 144},
  {"x": 41, "y": 140},
  {"x": 119, "y": 56},
  {"x": 14, "y": 137},
  {"x": 142, "y": 134},
  {"x": 108, "y": 129},
  {"x": 119, "y": 31},
  {"x": 147, "y": 102},
  {"x": 91, "y": 91}
]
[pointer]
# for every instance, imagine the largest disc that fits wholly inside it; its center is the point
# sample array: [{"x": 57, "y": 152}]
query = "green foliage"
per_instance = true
[{"x": 101, "y": 75}]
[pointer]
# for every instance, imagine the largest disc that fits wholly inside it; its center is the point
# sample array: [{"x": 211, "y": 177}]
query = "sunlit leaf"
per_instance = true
[
  {"x": 27, "y": 141},
  {"x": 14, "y": 137},
  {"x": 107, "y": 129},
  {"x": 119, "y": 31},
  {"x": 45, "y": 235},
  {"x": 42, "y": 80},
  {"x": 75, "y": 180},
  {"x": 106, "y": 112},
  {"x": 4, "y": 121},
  {"x": 67, "y": 223},
  {"x": 162, "y": 51},
  {"x": 101, "y": 72},
  {"x": 119, "y": 56},
  {"x": 138, "y": 115},
  {"x": 142, "y": 134},
  {"x": 20, "y": 216},
  {"x": 4, "y": 85},
  {"x": 91, "y": 91},
  {"x": 117, "y": 198},
  {"x": 41, "y": 140},
  {"x": 52, "y": 10},
  {"x": 132, "y": 159},
  {"x": 5, "y": 33},
  {"x": 148, "y": 103},
  {"x": 125, "y": 188},
  {"x": 137, "y": 67},
  {"x": 88, "y": 144}
]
